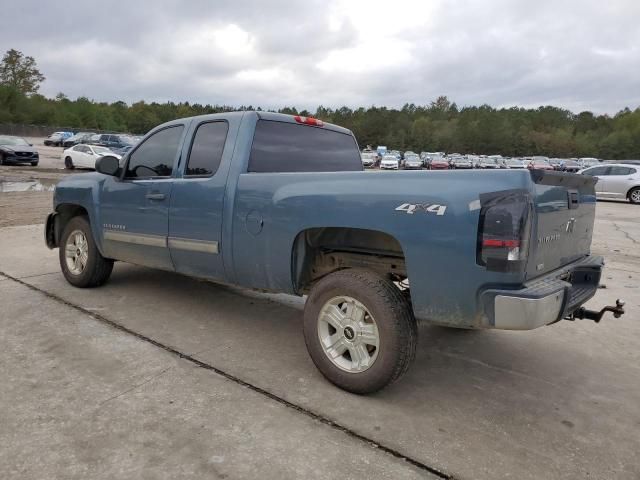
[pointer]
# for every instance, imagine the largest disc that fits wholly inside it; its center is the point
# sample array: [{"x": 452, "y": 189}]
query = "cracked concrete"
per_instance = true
[{"x": 559, "y": 402}]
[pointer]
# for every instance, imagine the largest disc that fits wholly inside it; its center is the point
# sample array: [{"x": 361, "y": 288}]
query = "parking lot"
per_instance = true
[{"x": 156, "y": 375}]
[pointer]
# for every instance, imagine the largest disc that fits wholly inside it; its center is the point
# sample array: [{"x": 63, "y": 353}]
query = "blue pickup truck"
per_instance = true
[{"x": 281, "y": 203}]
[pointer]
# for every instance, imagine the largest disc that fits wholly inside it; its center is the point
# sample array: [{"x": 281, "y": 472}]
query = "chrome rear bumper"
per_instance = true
[{"x": 544, "y": 300}]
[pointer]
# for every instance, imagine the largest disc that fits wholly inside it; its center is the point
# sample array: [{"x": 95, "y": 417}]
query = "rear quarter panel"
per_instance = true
[{"x": 440, "y": 250}]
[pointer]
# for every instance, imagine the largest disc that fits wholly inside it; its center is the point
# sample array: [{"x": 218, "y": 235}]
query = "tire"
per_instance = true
[
  {"x": 96, "y": 269},
  {"x": 34, "y": 164},
  {"x": 68, "y": 163},
  {"x": 387, "y": 314},
  {"x": 634, "y": 195}
]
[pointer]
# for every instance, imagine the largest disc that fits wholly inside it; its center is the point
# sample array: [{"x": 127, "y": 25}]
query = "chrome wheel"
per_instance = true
[
  {"x": 348, "y": 334},
  {"x": 635, "y": 196},
  {"x": 76, "y": 252}
]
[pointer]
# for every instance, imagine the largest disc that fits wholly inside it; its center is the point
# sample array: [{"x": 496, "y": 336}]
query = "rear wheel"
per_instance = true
[
  {"x": 68, "y": 163},
  {"x": 80, "y": 260},
  {"x": 634, "y": 195},
  {"x": 359, "y": 330}
]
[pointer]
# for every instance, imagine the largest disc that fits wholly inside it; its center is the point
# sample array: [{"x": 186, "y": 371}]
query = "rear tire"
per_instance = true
[
  {"x": 80, "y": 260},
  {"x": 634, "y": 195},
  {"x": 359, "y": 330},
  {"x": 68, "y": 163}
]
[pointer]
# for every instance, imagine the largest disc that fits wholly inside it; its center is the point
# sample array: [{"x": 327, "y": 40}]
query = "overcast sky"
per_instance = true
[{"x": 578, "y": 54}]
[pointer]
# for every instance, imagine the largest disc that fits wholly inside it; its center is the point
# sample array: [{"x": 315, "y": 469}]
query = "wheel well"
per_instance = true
[
  {"x": 66, "y": 212},
  {"x": 631, "y": 190},
  {"x": 318, "y": 252}
]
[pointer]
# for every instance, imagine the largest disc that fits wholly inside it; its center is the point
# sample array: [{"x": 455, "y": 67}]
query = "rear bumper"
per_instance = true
[{"x": 544, "y": 300}]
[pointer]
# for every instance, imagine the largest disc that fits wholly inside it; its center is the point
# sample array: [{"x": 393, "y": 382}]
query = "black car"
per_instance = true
[{"x": 15, "y": 150}]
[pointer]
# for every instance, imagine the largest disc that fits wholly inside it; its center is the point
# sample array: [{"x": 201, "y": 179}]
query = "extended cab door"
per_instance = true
[
  {"x": 197, "y": 199},
  {"x": 135, "y": 208}
]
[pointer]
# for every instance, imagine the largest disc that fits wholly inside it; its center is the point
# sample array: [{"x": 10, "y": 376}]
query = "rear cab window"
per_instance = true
[
  {"x": 207, "y": 149},
  {"x": 291, "y": 147}
]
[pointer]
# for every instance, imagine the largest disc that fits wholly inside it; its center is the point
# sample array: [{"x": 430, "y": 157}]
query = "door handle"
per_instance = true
[{"x": 155, "y": 196}]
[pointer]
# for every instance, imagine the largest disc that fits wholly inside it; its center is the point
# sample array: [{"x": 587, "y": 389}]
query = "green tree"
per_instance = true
[{"x": 20, "y": 73}]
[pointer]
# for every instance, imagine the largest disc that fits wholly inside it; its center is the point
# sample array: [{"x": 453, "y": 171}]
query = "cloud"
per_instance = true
[{"x": 578, "y": 54}]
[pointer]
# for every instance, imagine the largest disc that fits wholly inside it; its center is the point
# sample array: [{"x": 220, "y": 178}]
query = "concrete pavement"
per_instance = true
[{"x": 559, "y": 402}]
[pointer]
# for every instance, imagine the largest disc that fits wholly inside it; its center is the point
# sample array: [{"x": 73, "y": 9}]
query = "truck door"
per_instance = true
[
  {"x": 197, "y": 199},
  {"x": 135, "y": 209}
]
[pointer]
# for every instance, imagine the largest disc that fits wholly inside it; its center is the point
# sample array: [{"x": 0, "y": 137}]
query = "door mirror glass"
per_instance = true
[{"x": 108, "y": 165}]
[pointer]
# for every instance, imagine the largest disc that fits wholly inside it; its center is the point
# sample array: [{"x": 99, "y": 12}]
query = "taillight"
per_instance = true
[
  {"x": 309, "y": 121},
  {"x": 503, "y": 231}
]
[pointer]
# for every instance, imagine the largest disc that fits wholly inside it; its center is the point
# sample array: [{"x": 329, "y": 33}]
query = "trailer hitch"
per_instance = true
[{"x": 583, "y": 313}]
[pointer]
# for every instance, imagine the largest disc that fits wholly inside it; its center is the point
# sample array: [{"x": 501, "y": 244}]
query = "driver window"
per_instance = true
[{"x": 155, "y": 157}]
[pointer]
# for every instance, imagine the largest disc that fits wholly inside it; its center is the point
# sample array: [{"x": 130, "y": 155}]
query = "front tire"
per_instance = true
[
  {"x": 68, "y": 163},
  {"x": 634, "y": 195},
  {"x": 80, "y": 260},
  {"x": 359, "y": 330}
]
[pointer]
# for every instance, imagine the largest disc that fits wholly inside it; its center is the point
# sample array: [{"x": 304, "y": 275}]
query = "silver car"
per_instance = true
[{"x": 616, "y": 181}]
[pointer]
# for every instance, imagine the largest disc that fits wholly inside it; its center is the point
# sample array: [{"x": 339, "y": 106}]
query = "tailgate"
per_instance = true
[{"x": 565, "y": 207}]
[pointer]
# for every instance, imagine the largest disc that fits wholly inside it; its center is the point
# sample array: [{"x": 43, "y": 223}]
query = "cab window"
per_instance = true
[{"x": 156, "y": 155}]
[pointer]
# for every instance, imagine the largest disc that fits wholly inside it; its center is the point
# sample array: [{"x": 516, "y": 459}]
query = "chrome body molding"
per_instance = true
[
  {"x": 136, "y": 238},
  {"x": 203, "y": 246},
  {"x": 192, "y": 245}
]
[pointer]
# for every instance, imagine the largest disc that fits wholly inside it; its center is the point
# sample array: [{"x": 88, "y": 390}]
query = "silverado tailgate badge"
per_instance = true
[{"x": 411, "y": 208}]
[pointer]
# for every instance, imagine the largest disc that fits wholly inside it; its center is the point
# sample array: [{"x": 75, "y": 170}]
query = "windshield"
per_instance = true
[
  {"x": 13, "y": 141},
  {"x": 101, "y": 150}
]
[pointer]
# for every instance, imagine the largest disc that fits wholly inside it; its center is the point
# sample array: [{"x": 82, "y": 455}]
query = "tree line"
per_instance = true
[{"x": 437, "y": 126}]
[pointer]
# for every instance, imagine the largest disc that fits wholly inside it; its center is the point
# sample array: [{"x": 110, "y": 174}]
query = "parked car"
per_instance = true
[
  {"x": 619, "y": 181},
  {"x": 57, "y": 138},
  {"x": 487, "y": 163},
  {"x": 437, "y": 162},
  {"x": 586, "y": 162},
  {"x": 281, "y": 203},
  {"x": 540, "y": 163},
  {"x": 16, "y": 150},
  {"x": 412, "y": 162},
  {"x": 85, "y": 156},
  {"x": 514, "y": 163},
  {"x": 389, "y": 162},
  {"x": 368, "y": 159},
  {"x": 80, "y": 137},
  {"x": 114, "y": 141},
  {"x": 381, "y": 150},
  {"x": 556, "y": 163},
  {"x": 460, "y": 162},
  {"x": 570, "y": 166}
]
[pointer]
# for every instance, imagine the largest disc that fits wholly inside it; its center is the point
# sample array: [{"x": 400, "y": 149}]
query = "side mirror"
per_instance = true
[{"x": 108, "y": 165}]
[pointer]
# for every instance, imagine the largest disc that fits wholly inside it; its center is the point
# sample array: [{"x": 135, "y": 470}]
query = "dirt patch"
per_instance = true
[{"x": 24, "y": 208}]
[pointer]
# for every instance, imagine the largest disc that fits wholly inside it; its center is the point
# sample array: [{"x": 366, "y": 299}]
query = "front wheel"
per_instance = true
[
  {"x": 359, "y": 330},
  {"x": 634, "y": 195},
  {"x": 81, "y": 262},
  {"x": 68, "y": 163}
]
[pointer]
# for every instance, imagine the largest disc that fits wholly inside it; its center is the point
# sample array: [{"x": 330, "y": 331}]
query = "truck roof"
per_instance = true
[{"x": 279, "y": 117}]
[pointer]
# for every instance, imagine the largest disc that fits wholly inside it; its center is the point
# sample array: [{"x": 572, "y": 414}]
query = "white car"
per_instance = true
[
  {"x": 389, "y": 162},
  {"x": 85, "y": 156},
  {"x": 368, "y": 159},
  {"x": 616, "y": 181}
]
